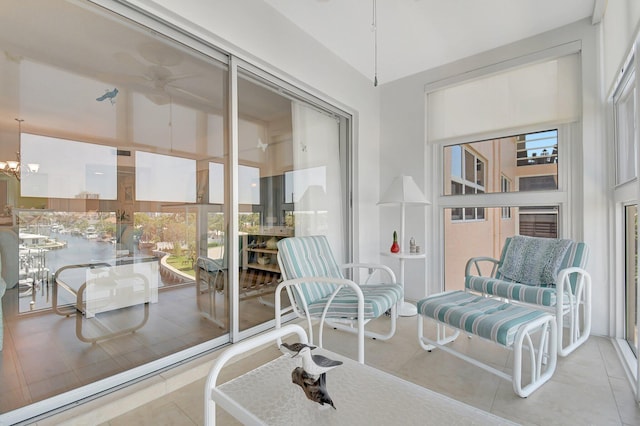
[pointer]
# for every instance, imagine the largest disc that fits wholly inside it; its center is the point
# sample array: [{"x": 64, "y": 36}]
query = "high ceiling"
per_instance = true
[{"x": 416, "y": 35}]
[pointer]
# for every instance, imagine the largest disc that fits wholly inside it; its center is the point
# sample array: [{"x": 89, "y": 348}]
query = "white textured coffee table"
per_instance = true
[{"x": 361, "y": 394}]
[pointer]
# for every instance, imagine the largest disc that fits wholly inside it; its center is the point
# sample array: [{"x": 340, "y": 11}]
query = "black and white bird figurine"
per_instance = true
[
  {"x": 315, "y": 365},
  {"x": 314, "y": 389},
  {"x": 292, "y": 349}
]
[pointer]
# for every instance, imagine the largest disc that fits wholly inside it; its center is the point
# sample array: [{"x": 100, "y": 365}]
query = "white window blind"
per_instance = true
[{"x": 547, "y": 92}]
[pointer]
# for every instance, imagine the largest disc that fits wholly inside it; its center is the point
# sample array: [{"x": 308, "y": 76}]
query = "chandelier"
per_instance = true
[{"x": 12, "y": 167}]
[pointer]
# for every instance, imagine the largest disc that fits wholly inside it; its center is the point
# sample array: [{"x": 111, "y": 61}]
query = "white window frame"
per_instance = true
[
  {"x": 626, "y": 192},
  {"x": 568, "y": 138},
  {"x": 625, "y": 91}
]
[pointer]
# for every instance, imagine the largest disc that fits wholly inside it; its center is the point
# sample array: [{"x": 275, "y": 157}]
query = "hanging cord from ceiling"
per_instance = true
[
  {"x": 374, "y": 28},
  {"x": 170, "y": 123}
]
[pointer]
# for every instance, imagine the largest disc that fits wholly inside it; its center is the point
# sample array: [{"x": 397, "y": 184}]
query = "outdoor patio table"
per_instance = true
[{"x": 361, "y": 394}]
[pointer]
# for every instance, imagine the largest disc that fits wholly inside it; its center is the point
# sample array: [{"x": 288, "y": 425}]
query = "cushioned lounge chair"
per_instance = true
[
  {"x": 318, "y": 290},
  {"x": 544, "y": 273}
]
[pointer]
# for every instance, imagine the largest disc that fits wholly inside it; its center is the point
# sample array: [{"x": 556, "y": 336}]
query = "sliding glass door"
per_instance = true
[
  {"x": 289, "y": 183},
  {"x": 118, "y": 242},
  {"x": 122, "y": 140}
]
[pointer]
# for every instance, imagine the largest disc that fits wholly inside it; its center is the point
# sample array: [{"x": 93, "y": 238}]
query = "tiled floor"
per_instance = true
[
  {"x": 43, "y": 357},
  {"x": 588, "y": 387}
]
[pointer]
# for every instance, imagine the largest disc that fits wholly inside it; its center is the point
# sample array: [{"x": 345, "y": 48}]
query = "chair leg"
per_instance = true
[
  {"x": 579, "y": 317},
  {"x": 392, "y": 327},
  {"x": 542, "y": 358},
  {"x": 441, "y": 335}
]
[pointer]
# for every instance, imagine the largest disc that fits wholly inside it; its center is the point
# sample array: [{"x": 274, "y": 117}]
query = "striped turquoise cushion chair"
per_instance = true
[
  {"x": 318, "y": 289},
  {"x": 538, "y": 293},
  {"x": 546, "y": 273}
]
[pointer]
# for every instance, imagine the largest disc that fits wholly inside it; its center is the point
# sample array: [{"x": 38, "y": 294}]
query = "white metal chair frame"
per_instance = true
[
  {"x": 293, "y": 285},
  {"x": 576, "y": 308},
  {"x": 542, "y": 356}
]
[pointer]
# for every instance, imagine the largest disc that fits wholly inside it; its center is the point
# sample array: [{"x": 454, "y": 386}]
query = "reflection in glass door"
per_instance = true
[
  {"x": 107, "y": 223},
  {"x": 290, "y": 182}
]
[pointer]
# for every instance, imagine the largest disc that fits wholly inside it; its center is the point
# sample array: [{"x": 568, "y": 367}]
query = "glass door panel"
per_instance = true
[
  {"x": 117, "y": 201},
  {"x": 264, "y": 154},
  {"x": 631, "y": 277},
  {"x": 291, "y": 181}
]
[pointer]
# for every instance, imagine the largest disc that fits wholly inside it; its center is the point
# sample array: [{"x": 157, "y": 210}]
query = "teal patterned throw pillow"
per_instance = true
[{"x": 534, "y": 260}]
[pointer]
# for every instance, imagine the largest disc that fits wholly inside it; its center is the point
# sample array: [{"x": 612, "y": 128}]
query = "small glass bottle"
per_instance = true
[{"x": 412, "y": 245}]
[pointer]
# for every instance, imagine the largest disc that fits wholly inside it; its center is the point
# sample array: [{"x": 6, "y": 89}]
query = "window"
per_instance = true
[
  {"x": 520, "y": 165},
  {"x": 467, "y": 177},
  {"x": 530, "y": 159},
  {"x": 91, "y": 173},
  {"x": 248, "y": 185},
  {"x": 153, "y": 183},
  {"x": 625, "y": 123},
  {"x": 538, "y": 221},
  {"x": 515, "y": 164},
  {"x": 464, "y": 240},
  {"x": 537, "y": 148},
  {"x": 537, "y": 183}
]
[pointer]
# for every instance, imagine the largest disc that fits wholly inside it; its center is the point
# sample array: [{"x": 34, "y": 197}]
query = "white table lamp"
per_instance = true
[{"x": 402, "y": 191}]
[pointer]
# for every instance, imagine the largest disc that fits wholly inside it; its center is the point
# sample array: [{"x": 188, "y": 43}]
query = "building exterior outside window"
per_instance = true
[
  {"x": 467, "y": 177},
  {"x": 490, "y": 170}
]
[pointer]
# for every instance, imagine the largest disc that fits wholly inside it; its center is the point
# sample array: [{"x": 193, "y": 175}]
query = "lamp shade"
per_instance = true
[{"x": 403, "y": 190}]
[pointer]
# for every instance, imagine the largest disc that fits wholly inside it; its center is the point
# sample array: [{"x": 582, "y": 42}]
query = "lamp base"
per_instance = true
[{"x": 406, "y": 309}]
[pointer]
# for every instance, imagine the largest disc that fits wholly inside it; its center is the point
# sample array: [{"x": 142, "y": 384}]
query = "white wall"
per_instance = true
[
  {"x": 255, "y": 32},
  {"x": 404, "y": 149}
]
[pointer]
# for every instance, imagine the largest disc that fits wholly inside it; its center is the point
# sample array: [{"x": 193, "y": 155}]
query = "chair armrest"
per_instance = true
[
  {"x": 293, "y": 285},
  {"x": 328, "y": 280},
  {"x": 477, "y": 261},
  {"x": 372, "y": 268}
]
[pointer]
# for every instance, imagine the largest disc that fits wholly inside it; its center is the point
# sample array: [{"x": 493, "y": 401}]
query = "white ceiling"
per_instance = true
[{"x": 416, "y": 35}]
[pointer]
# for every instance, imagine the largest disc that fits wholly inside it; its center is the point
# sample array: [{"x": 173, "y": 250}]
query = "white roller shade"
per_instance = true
[{"x": 546, "y": 92}]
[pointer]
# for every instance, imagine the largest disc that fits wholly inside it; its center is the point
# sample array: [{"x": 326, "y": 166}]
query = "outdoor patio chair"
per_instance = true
[
  {"x": 544, "y": 273},
  {"x": 318, "y": 290}
]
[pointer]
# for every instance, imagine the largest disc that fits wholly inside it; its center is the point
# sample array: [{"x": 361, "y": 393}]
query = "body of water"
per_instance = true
[{"x": 78, "y": 250}]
